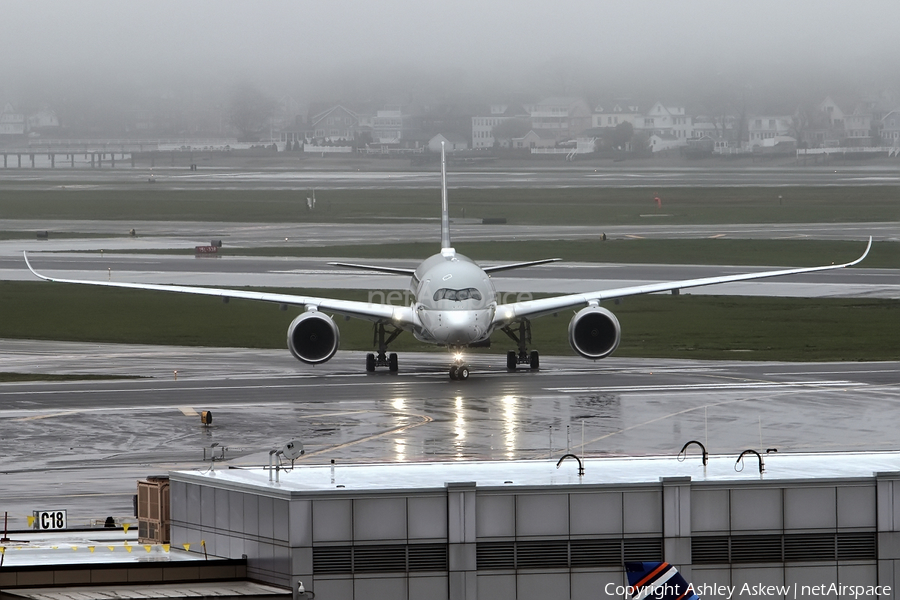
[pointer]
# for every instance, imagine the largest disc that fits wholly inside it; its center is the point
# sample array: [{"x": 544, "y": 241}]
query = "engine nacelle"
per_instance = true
[
  {"x": 594, "y": 332},
  {"x": 313, "y": 337}
]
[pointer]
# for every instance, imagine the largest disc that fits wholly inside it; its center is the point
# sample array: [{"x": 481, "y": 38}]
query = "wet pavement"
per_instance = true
[{"x": 82, "y": 445}]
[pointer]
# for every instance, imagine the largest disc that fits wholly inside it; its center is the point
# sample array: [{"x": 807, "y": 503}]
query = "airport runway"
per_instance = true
[{"x": 81, "y": 445}]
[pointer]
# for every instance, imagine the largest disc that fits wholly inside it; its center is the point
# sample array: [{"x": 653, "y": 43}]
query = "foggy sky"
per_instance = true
[{"x": 318, "y": 47}]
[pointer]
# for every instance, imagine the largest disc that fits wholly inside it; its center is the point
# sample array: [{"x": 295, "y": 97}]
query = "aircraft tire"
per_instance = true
[
  {"x": 462, "y": 373},
  {"x": 511, "y": 360},
  {"x": 370, "y": 363},
  {"x": 535, "y": 360},
  {"x": 453, "y": 372},
  {"x": 393, "y": 363}
]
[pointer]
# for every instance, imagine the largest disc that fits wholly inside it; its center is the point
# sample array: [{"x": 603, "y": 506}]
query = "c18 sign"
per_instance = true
[{"x": 49, "y": 519}]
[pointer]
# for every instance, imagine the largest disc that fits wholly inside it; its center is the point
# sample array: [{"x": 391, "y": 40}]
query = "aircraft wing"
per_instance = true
[
  {"x": 520, "y": 265},
  {"x": 376, "y": 268},
  {"x": 545, "y": 306},
  {"x": 350, "y": 308}
]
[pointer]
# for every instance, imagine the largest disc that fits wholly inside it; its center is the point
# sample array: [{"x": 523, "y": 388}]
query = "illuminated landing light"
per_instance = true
[
  {"x": 400, "y": 450},
  {"x": 458, "y": 356},
  {"x": 509, "y": 425},
  {"x": 459, "y": 428}
]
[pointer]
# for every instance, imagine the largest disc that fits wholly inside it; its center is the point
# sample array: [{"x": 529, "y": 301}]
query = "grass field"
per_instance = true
[
  {"x": 661, "y": 326},
  {"x": 581, "y": 206}
]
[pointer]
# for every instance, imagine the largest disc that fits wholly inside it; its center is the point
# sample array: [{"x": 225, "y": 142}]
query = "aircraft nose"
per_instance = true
[{"x": 459, "y": 328}]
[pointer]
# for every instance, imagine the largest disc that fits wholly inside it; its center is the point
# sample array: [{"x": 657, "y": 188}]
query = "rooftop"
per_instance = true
[
  {"x": 597, "y": 471},
  {"x": 100, "y": 546}
]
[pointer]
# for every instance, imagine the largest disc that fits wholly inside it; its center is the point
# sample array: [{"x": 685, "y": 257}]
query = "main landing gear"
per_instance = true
[
  {"x": 459, "y": 370},
  {"x": 522, "y": 339},
  {"x": 383, "y": 359}
]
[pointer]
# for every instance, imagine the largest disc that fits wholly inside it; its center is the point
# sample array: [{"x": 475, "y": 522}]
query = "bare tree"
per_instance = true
[{"x": 250, "y": 111}]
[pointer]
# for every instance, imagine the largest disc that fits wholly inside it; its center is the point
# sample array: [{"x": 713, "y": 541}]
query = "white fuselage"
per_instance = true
[{"x": 455, "y": 300}]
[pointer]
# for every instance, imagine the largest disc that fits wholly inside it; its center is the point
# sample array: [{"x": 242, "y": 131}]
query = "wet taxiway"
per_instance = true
[
  {"x": 311, "y": 174},
  {"x": 82, "y": 445}
]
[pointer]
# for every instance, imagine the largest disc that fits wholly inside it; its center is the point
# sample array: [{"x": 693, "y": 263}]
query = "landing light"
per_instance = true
[{"x": 458, "y": 356}]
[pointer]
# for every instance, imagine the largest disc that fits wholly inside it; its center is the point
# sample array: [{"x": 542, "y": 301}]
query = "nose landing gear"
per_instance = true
[{"x": 459, "y": 370}]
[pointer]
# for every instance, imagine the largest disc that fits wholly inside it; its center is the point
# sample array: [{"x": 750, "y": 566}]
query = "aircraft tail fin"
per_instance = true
[
  {"x": 658, "y": 580},
  {"x": 445, "y": 207}
]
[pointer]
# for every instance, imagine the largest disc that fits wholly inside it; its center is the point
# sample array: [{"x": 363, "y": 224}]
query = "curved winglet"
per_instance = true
[
  {"x": 864, "y": 254},
  {"x": 30, "y": 268}
]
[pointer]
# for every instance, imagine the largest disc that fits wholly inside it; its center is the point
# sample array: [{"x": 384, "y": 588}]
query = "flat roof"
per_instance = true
[
  {"x": 102, "y": 546},
  {"x": 539, "y": 473},
  {"x": 225, "y": 589}
]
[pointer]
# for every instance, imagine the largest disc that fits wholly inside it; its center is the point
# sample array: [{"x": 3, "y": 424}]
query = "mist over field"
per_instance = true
[{"x": 106, "y": 52}]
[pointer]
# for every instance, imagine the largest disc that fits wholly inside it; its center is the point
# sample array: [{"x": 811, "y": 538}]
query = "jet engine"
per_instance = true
[
  {"x": 594, "y": 332},
  {"x": 313, "y": 337}
]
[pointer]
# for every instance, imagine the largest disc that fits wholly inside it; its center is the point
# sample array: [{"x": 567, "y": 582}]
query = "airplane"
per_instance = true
[{"x": 454, "y": 304}]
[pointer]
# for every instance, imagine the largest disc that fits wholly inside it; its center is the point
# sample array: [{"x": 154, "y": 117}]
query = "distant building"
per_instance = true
[
  {"x": 858, "y": 127},
  {"x": 619, "y": 113},
  {"x": 665, "y": 120},
  {"x": 43, "y": 120},
  {"x": 761, "y": 128},
  {"x": 536, "y": 138},
  {"x": 890, "y": 128},
  {"x": 566, "y": 116},
  {"x": 452, "y": 142},
  {"x": 335, "y": 124},
  {"x": 483, "y": 125},
  {"x": 12, "y": 122},
  {"x": 665, "y": 141},
  {"x": 389, "y": 126}
]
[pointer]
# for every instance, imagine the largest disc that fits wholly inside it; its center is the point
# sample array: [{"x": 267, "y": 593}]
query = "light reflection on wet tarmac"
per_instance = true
[{"x": 84, "y": 444}]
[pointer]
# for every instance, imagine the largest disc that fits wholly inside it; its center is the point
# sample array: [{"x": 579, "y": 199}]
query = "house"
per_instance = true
[
  {"x": 536, "y": 138},
  {"x": 890, "y": 128},
  {"x": 620, "y": 112},
  {"x": 390, "y": 125},
  {"x": 43, "y": 120},
  {"x": 452, "y": 142},
  {"x": 483, "y": 125},
  {"x": 858, "y": 127},
  {"x": 666, "y": 121},
  {"x": 12, "y": 122},
  {"x": 762, "y": 127},
  {"x": 665, "y": 141},
  {"x": 334, "y": 124},
  {"x": 567, "y": 116}
]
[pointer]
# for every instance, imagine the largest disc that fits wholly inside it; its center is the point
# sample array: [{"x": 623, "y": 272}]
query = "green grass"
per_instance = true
[
  {"x": 584, "y": 206},
  {"x": 701, "y": 327}
]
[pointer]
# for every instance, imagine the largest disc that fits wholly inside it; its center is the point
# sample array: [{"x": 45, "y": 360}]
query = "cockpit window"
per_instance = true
[{"x": 457, "y": 295}]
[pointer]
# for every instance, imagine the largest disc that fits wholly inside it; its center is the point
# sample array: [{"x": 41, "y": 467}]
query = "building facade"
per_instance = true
[{"x": 528, "y": 530}]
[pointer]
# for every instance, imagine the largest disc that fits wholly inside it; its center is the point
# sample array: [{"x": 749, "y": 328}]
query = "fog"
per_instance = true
[{"x": 466, "y": 50}]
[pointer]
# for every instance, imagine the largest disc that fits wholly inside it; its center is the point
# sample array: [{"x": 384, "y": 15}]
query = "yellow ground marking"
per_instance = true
[{"x": 47, "y": 416}]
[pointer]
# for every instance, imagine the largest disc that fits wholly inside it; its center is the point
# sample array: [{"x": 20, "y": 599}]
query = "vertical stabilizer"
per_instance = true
[{"x": 445, "y": 207}]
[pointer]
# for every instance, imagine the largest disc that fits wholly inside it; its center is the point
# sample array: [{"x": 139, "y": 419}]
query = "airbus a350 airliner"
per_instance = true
[{"x": 454, "y": 304}]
